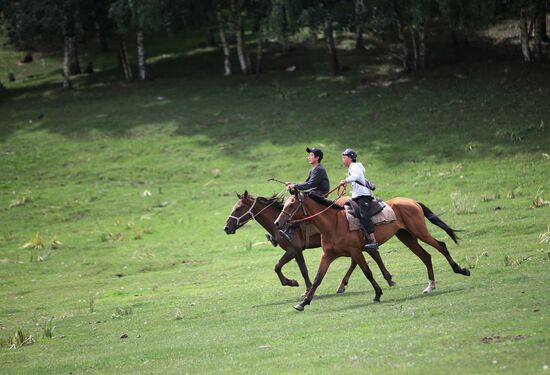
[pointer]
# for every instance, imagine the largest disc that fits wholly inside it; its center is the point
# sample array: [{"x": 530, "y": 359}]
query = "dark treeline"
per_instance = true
[{"x": 66, "y": 24}]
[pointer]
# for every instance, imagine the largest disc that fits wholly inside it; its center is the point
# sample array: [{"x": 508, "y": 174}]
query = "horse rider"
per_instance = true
[
  {"x": 362, "y": 194},
  {"x": 317, "y": 182}
]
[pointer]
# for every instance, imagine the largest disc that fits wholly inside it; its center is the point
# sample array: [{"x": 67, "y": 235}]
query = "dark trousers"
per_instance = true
[{"x": 364, "y": 202}]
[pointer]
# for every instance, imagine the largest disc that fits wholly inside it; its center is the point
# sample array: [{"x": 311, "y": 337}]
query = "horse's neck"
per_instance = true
[
  {"x": 267, "y": 217},
  {"x": 326, "y": 221}
]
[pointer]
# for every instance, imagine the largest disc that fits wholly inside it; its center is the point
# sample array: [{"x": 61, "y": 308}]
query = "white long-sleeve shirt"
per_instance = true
[{"x": 356, "y": 173}]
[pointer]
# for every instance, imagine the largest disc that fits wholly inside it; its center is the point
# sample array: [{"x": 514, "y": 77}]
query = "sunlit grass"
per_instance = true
[{"x": 129, "y": 194}]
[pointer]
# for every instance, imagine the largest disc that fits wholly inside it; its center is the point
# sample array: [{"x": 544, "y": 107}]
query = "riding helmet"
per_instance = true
[{"x": 349, "y": 152}]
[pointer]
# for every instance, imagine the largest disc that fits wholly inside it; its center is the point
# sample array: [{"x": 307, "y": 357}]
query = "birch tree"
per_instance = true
[{"x": 136, "y": 17}]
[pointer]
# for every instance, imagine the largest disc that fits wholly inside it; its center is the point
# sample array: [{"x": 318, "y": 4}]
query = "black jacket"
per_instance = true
[{"x": 317, "y": 181}]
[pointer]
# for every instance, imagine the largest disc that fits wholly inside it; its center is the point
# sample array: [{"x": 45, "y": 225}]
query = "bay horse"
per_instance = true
[
  {"x": 265, "y": 211},
  {"x": 338, "y": 241}
]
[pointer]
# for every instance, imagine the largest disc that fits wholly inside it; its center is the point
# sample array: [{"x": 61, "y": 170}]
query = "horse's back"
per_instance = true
[{"x": 405, "y": 209}]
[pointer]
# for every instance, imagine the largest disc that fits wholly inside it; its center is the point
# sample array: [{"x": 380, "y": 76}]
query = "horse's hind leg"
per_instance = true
[
  {"x": 345, "y": 280},
  {"x": 287, "y": 257},
  {"x": 360, "y": 260},
  {"x": 375, "y": 254},
  {"x": 425, "y": 257},
  {"x": 299, "y": 258},
  {"x": 442, "y": 248}
]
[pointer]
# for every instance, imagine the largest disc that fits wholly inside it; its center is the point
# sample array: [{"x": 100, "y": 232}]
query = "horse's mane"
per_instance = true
[
  {"x": 324, "y": 201},
  {"x": 275, "y": 200}
]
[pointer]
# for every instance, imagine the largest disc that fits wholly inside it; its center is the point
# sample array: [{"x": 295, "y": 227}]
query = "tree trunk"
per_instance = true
[
  {"x": 422, "y": 46},
  {"x": 66, "y": 65},
  {"x": 360, "y": 11},
  {"x": 210, "y": 39},
  {"x": 402, "y": 10},
  {"x": 257, "y": 23},
  {"x": 223, "y": 40},
  {"x": 74, "y": 64},
  {"x": 259, "y": 53},
  {"x": 540, "y": 16},
  {"x": 414, "y": 49},
  {"x": 142, "y": 69},
  {"x": 359, "y": 43},
  {"x": 313, "y": 35},
  {"x": 333, "y": 63},
  {"x": 524, "y": 35},
  {"x": 544, "y": 30},
  {"x": 238, "y": 28},
  {"x": 123, "y": 55},
  {"x": 102, "y": 38}
]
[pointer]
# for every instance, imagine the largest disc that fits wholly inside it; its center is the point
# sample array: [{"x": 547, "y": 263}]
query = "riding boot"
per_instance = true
[
  {"x": 288, "y": 233},
  {"x": 370, "y": 243},
  {"x": 271, "y": 239}
]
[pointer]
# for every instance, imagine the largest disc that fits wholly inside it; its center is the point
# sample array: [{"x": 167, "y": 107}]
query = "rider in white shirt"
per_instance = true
[{"x": 362, "y": 194}]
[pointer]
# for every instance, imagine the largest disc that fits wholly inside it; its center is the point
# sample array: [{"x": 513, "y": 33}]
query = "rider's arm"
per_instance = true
[
  {"x": 354, "y": 173},
  {"x": 313, "y": 180}
]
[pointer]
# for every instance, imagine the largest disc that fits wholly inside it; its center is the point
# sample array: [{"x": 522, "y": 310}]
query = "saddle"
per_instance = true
[{"x": 380, "y": 212}]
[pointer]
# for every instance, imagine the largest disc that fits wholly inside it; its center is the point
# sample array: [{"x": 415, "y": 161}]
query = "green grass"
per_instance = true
[{"x": 191, "y": 299}]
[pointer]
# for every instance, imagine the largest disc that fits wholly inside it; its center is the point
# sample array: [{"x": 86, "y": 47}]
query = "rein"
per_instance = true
[{"x": 340, "y": 194}]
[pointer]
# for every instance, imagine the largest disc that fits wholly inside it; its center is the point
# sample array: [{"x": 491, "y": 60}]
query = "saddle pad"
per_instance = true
[{"x": 383, "y": 217}]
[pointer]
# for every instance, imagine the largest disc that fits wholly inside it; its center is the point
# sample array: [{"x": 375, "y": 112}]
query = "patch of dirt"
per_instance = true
[{"x": 496, "y": 338}]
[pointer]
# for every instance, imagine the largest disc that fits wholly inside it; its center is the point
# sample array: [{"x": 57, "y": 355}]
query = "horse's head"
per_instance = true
[
  {"x": 241, "y": 213},
  {"x": 292, "y": 210}
]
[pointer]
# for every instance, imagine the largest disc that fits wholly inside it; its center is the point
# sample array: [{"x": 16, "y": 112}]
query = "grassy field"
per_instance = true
[{"x": 120, "y": 192}]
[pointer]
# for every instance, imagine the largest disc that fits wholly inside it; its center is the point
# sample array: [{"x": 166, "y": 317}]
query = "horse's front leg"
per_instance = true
[
  {"x": 325, "y": 262},
  {"x": 345, "y": 280},
  {"x": 303, "y": 269},
  {"x": 287, "y": 257}
]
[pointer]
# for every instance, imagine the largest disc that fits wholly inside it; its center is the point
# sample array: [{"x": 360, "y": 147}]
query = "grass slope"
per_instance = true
[{"x": 136, "y": 181}]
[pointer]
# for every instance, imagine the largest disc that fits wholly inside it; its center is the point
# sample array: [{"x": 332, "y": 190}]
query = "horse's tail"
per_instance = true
[{"x": 434, "y": 219}]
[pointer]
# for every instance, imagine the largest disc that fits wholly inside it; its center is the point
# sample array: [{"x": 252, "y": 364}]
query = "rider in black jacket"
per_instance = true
[{"x": 317, "y": 182}]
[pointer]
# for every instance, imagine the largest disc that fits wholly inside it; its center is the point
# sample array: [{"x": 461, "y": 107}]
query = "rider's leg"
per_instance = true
[
  {"x": 271, "y": 239},
  {"x": 370, "y": 241},
  {"x": 288, "y": 233}
]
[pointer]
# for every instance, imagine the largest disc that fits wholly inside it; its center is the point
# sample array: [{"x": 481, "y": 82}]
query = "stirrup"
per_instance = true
[
  {"x": 285, "y": 235},
  {"x": 271, "y": 239},
  {"x": 371, "y": 246}
]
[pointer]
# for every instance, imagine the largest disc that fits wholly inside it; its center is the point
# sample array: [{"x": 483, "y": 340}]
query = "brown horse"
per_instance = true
[
  {"x": 338, "y": 241},
  {"x": 265, "y": 211}
]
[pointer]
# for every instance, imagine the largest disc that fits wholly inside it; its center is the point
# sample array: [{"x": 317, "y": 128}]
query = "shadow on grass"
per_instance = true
[
  {"x": 368, "y": 294},
  {"x": 443, "y": 114},
  {"x": 389, "y": 301},
  {"x": 319, "y": 297}
]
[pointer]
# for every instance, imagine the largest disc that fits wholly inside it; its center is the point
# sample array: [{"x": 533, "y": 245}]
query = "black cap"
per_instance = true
[{"x": 316, "y": 151}]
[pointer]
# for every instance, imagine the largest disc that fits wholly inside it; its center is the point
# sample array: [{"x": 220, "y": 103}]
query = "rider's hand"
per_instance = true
[
  {"x": 290, "y": 186},
  {"x": 342, "y": 183}
]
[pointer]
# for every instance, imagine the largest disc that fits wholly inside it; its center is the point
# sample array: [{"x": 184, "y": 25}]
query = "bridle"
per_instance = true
[
  {"x": 291, "y": 215},
  {"x": 249, "y": 212}
]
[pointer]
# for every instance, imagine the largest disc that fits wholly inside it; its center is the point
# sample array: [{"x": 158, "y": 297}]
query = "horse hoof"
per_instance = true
[
  {"x": 293, "y": 283},
  {"x": 341, "y": 290},
  {"x": 376, "y": 300},
  {"x": 299, "y": 307},
  {"x": 391, "y": 283},
  {"x": 466, "y": 272},
  {"x": 427, "y": 290}
]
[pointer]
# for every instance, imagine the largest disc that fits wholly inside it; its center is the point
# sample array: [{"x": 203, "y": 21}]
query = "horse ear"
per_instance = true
[
  {"x": 238, "y": 195},
  {"x": 245, "y": 195}
]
